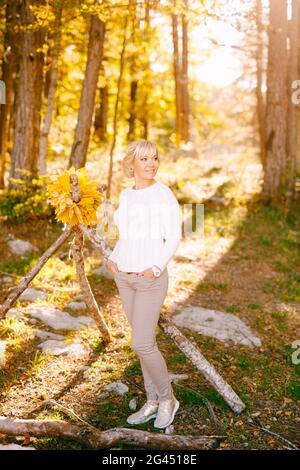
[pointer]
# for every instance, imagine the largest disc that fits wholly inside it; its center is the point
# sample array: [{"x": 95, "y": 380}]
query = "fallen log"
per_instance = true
[
  {"x": 191, "y": 351},
  {"x": 95, "y": 439}
]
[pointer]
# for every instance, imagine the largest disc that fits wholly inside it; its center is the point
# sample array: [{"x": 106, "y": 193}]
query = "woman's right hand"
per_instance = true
[{"x": 112, "y": 267}]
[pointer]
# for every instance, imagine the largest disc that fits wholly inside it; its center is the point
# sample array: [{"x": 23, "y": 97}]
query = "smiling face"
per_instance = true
[{"x": 145, "y": 166}]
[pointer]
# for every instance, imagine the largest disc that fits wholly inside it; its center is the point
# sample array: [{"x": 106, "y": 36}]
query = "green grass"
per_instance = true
[
  {"x": 263, "y": 241},
  {"x": 19, "y": 266},
  {"x": 232, "y": 308},
  {"x": 286, "y": 289},
  {"x": 280, "y": 317},
  {"x": 293, "y": 389},
  {"x": 254, "y": 306},
  {"x": 214, "y": 397},
  {"x": 209, "y": 285},
  {"x": 134, "y": 370},
  {"x": 245, "y": 363},
  {"x": 282, "y": 267},
  {"x": 181, "y": 358}
]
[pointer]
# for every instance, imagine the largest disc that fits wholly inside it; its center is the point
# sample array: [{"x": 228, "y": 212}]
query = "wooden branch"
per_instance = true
[
  {"x": 290, "y": 444},
  {"x": 17, "y": 291},
  {"x": 96, "y": 240},
  {"x": 218, "y": 426},
  {"x": 75, "y": 190},
  {"x": 69, "y": 412},
  {"x": 95, "y": 439},
  {"x": 86, "y": 289},
  {"x": 192, "y": 352}
]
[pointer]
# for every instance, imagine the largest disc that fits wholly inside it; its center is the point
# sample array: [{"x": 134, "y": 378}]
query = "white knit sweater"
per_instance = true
[{"x": 145, "y": 218}]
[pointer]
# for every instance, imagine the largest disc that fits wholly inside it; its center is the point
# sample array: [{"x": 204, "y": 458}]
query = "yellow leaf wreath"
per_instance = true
[{"x": 68, "y": 211}]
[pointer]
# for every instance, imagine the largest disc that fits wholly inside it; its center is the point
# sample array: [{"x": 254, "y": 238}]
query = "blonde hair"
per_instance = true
[{"x": 138, "y": 148}]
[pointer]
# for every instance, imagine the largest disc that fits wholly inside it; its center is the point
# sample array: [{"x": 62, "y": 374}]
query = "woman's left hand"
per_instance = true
[{"x": 148, "y": 273}]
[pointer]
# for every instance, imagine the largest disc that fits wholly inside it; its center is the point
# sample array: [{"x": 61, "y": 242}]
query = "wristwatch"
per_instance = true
[{"x": 156, "y": 271}]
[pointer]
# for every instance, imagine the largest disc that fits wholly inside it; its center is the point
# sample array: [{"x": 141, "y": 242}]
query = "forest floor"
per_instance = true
[{"x": 247, "y": 264}]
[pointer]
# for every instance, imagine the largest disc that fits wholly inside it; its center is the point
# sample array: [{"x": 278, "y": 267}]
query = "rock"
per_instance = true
[
  {"x": 117, "y": 387},
  {"x": 58, "y": 348},
  {"x": 30, "y": 294},
  {"x": 16, "y": 313},
  {"x": 14, "y": 447},
  {"x": 2, "y": 352},
  {"x": 84, "y": 368},
  {"x": 220, "y": 325},
  {"x": 133, "y": 404},
  {"x": 79, "y": 297},
  {"x": 77, "y": 305},
  {"x": 57, "y": 319},
  {"x": 20, "y": 247},
  {"x": 176, "y": 377},
  {"x": 169, "y": 430},
  {"x": 7, "y": 279},
  {"x": 48, "y": 335}
]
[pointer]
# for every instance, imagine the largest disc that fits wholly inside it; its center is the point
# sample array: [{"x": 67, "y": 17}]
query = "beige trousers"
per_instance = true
[{"x": 142, "y": 300}]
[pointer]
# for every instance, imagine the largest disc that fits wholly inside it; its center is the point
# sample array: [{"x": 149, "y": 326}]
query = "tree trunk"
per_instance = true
[
  {"x": 185, "y": 79},
  {"x": 146, "y": 80},
  {"x": 9, "y": 76},
  {"x": 276, "y": 109},
  {"x": 292, "y": 116},
  {"x": 51, "y": 94},
  {"x": 101, "y": 115},
  {"x": 87, "y": 100},
  {"x": 260, "y": 104},
  {"x": 133, "y": 81},
  {"x": 29, "y": 97},
  {"x": 132, "y": 109},
  {"x": 111, "y": 152},
  {"x": 298, "y": 107},
  {"x": 177, "y": 77},
  {"x": 94, "y": 439}
]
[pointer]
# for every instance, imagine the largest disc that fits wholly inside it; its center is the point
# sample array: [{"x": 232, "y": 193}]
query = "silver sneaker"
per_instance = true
[
  {"x": 166, "y": 413},
  {"x": 147, "y": 412}
]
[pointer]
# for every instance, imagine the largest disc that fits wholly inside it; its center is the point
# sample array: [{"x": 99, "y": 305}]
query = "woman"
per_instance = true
[{"x": 147, "y": 212}]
